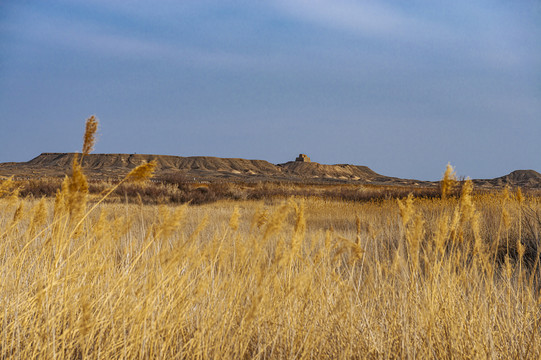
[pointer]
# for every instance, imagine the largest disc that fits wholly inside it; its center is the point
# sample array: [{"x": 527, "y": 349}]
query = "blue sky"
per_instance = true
[{"x": 402, "y": 87}]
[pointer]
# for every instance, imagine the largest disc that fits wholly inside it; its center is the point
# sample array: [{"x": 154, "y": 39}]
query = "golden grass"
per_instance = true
[
  {"x": 448, "y": 182},
  {"x": 304, "y": 278},
  {"x": 299, "y": 278},
  {"x": 89, "y": 138}
]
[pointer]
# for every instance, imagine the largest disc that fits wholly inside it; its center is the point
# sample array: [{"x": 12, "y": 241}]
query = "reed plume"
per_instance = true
[
  {"x": 7, "y": 186},
  {"x": 406, "y": 210},
  {"x": 448, "y": 182},
  {"x": 142, "y": 172},
  {"x": 89, "y": 138}
]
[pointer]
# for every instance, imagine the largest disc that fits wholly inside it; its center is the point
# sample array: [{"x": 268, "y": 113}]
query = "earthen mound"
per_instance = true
[
  {"x": 197, "y": 168},
  {"x": 522, "y": 178},
  {"x": 340, "y": 171},
  {"x": 107, "y": 165}
]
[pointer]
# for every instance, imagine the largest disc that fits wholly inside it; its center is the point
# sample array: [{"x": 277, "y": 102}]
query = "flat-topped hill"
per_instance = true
[
  {"x": 118, "y": 165},
  {"x": 199, "y": 167},
  {"x": 126, "y": 162},
  {"x": 114, "y": 166}
]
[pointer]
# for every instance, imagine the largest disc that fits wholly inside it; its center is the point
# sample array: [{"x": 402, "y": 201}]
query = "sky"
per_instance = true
[{"x": 403, "y": 87}]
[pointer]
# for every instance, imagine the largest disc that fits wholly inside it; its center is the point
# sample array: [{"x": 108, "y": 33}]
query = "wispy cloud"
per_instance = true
[
  {"x": 371, "y": 18},
  {"x": 490, "y": 34},
  {"x": 88, "y": 37}
]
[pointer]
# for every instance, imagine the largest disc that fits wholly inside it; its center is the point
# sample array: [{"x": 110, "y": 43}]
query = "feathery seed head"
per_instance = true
[
  {"x": 519, "y": 196},
  {"x": 142, "y": 172},
  {"x": 60, "y": 202},
  {"x": 505, "y": 193},
  {"x": 90, "y": 135},
  {"x": 406, "y": 209},
  {"x": 448, "y": 182},
  {"x": 276, "y": 220},
  {"x": 18, "y": 215},
  {"x": 466, "y": 204},
  {"x": 6, "y": 187},
  {"x": 39, "y": 215},
  {"x": 260, "y": 217}
]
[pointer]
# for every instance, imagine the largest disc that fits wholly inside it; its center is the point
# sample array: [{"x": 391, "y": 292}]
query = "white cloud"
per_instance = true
[
  {"x": 478, "y": 32},
  {"x": 452, "y": 30},
  {"x": 371, "y": 18},
  {"x": 87, "y": 37}
]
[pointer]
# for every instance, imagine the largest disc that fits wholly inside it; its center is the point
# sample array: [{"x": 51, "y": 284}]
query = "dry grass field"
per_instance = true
[
  {"x": 447, "y": 277},
  {"x": 298, "y": 278}
]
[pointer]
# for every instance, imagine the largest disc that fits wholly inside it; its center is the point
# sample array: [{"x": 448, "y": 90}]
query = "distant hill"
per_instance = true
[
  {"x": 527, "y": 179},
  {"x": 199, "y": 167},
  {"x": 315, "y": 170},
  {"x": 118, "y": 165},
  {"x": 122, "y": 163},
  {"x": 114, "y": 166},
  {"x": 522, "y": 178}
]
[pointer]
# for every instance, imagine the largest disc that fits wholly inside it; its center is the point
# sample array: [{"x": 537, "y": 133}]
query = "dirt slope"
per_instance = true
[
  {"x": 117, "y": 165},
  {"x": 129, "y": 161},
  {"x": 199, "y": 167},
  {"x": 522, "y": 178},
  {"x": 342, "y": 171},
  {"x": 111, "y": 166}
]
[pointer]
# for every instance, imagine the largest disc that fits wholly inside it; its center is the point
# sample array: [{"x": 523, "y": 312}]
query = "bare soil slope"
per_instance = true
[
  {"x": 522, "y": 178},
  {"x": 117, "y": 165},
  {"x": 165, "y": 162},
  {"x": 343, "y": 172},
  {"x": 113, "y": 166},
  {"x": 199, "y": 167}
]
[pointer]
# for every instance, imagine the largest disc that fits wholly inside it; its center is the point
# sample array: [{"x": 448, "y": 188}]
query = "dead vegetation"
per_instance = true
[
  {"x": 303, "y": 277},
  {"x": 299, "y": 278},
  {"x": 176, "y": 190}
]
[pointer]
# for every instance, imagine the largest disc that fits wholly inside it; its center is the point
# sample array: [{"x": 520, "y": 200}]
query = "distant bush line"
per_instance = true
[{"x": 175, "y": 189}]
